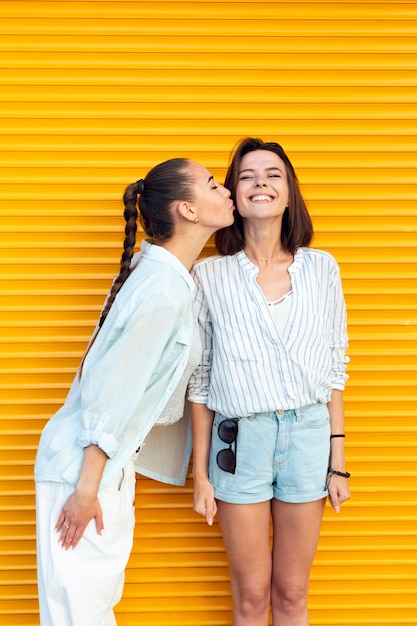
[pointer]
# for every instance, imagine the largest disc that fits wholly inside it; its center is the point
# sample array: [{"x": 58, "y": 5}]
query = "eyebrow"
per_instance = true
[
  {"x": 210, "y": 179},
  {"x": 268, "y": 169}
]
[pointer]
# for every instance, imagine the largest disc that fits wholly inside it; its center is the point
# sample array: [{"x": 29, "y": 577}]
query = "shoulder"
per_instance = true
[
  {"x": 208, "y": 261},
  {"x": 154, "y": 286},
  {"x": 213, "y": 271},
  {"x": 314, "y": 257},
  {"x": 213, "y": 264}
]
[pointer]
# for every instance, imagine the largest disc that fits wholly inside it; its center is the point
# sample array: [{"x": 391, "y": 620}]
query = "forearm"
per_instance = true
[
  {"x": 202, "y": 420},
  {"x": 83, "y": 504},
  {"x": 92, "y": 470},
  {"x": 204, "y": 502},
  {"x": 337, "y": 427}
]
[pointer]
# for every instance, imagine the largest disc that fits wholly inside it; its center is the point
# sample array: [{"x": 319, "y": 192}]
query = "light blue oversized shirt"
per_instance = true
[
  {"x": 129, "y": 374},
  {"x": 249, "y": 364}
]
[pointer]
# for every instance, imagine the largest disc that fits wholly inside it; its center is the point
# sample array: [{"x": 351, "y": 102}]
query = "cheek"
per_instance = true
[
  {"x": 285, "y": 193},
  {"x": 240, "y": 196}
]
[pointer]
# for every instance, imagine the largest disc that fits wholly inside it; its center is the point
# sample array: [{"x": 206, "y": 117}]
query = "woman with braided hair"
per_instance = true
[{"x": 132, "y": 378}]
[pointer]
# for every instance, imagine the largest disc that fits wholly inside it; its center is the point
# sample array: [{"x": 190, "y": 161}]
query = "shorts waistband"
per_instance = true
[{"x": 279, "y": 412}]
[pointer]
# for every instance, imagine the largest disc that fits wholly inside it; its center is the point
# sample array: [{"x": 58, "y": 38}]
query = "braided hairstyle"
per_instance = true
[{"x": 164, "y": 184}]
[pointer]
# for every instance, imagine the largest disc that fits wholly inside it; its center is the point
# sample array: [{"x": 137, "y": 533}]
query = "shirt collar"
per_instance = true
[
  {"x": 156, "y": 253},
  {"x": 246, "y": 263},
  {"x": 251, "y": 267}
]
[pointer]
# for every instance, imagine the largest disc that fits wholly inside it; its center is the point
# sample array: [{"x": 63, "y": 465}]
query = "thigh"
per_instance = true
[
  {"x": 246, "y": 534},
  {"x": 296, "y": 534}
]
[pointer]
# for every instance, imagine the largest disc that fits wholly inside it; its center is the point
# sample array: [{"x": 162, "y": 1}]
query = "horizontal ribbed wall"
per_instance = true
[{"x": 93, "y": 94}]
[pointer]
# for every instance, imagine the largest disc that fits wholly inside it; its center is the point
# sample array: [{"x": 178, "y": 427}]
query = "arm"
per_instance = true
[
  {"x": 201, "y": 415},
  {"x": 338, "y": 485},
  {"x": 115, "y": 405},
  {"x": 338, "y": 343},
  {"x": 83, "y": 504},
  {"x": 204, "y": 502}
]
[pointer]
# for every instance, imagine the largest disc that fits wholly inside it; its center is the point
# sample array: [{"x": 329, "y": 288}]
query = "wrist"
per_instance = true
[
  {"x": 200, "y": 476},
  {"x": 87, "y": 489},
  {"x": 331, "y": 472}
]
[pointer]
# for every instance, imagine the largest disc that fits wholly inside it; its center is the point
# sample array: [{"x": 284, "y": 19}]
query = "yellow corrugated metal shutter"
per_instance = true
[{"x": 93, "y": 94}]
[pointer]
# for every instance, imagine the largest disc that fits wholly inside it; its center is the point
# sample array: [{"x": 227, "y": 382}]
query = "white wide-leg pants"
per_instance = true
[{"x": 80, "y": 587}]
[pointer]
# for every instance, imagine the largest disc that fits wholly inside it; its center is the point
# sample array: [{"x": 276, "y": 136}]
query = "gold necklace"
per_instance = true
[{"x": 269, "y": 259}]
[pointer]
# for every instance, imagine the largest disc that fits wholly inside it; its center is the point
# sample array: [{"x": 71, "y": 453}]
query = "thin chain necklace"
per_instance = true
[{"x": 268, "y": 259}]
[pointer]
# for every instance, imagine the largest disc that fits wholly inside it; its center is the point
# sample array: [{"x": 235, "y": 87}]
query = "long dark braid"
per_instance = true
[{"x": 131, "y": 215}]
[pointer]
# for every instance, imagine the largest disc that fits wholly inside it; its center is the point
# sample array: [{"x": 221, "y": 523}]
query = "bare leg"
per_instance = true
[
  {"x": 246, "y": 533},
  {"x": 296, "y": 534}
]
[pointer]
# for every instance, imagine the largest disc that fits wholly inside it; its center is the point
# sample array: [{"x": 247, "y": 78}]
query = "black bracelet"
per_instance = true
[
  {"x": 331, "y": 471},
  {"x": 332, "y": 436}
]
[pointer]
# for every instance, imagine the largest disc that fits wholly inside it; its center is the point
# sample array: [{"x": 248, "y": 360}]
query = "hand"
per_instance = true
[
  {"x": 204, "y": 502},
  {"x": 339, "y": 491},
  {"x": 76, "y": 513}
]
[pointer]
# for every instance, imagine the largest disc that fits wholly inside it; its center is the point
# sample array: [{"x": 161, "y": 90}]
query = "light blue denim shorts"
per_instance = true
[{"x": 279, "y": 454}]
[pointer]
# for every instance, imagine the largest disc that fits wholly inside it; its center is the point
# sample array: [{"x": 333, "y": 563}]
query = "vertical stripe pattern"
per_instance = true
[{"x": 249, "y": 366}]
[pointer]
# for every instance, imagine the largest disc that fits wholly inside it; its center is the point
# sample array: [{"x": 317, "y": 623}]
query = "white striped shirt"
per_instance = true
[{"x": 250, "y": 366}]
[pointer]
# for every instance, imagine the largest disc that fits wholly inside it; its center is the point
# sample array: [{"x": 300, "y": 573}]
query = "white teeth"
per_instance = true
[{"x": 263, "y": 198}]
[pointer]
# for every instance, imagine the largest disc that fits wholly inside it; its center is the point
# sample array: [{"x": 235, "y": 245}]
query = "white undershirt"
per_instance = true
[{"x": 280, "y": 311}]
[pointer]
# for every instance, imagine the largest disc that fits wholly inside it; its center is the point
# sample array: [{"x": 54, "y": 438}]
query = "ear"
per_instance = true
[{"x": 187, "y": 211}]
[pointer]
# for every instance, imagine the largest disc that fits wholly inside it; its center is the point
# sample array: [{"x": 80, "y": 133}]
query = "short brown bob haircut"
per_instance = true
[{"x": 297, "y": 227}]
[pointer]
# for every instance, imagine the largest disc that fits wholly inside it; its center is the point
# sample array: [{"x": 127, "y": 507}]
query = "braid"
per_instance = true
[{"x": 130, "y": 215}]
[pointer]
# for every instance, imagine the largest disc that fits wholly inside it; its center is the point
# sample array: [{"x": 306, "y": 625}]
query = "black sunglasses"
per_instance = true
[{"x": 226, "y": 459}]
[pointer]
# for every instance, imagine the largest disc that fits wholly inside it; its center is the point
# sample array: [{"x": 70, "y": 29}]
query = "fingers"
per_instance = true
[
  {"x": 71, "y": 531},
  {"x": 338, "y": 492},
  {"x": 99, "y": 522},
  {"x": 205, "y": 504},
  {"x": 211, "y": 510},
  {"x": 334, "y": 501},
  {"x": 67, "y": 532},
  {"x": 208, "y": 511},
  {"x": 67, "y": 536}
]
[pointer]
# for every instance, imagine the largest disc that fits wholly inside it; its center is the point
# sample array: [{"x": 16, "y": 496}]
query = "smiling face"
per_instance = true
[{"x": 262, "y": 188}]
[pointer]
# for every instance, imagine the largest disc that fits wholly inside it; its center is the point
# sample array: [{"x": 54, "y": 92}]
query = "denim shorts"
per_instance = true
[{"x": 279, "y": 454}]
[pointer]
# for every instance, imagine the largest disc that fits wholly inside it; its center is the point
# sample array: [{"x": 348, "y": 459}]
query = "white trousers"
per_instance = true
[{"x": 80, "y": 587}]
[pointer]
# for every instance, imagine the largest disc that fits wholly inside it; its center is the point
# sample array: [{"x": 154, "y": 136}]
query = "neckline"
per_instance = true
[{"x": 281, "y": 299}]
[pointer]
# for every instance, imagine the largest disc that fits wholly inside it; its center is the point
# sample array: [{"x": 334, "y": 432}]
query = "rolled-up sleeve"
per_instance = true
[
  {"x": 199, "y": 383},
  {"x": 338, "y": 339}
]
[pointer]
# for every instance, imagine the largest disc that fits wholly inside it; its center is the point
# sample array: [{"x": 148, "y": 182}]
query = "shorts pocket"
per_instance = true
[{"x": 315, "y": 415}]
